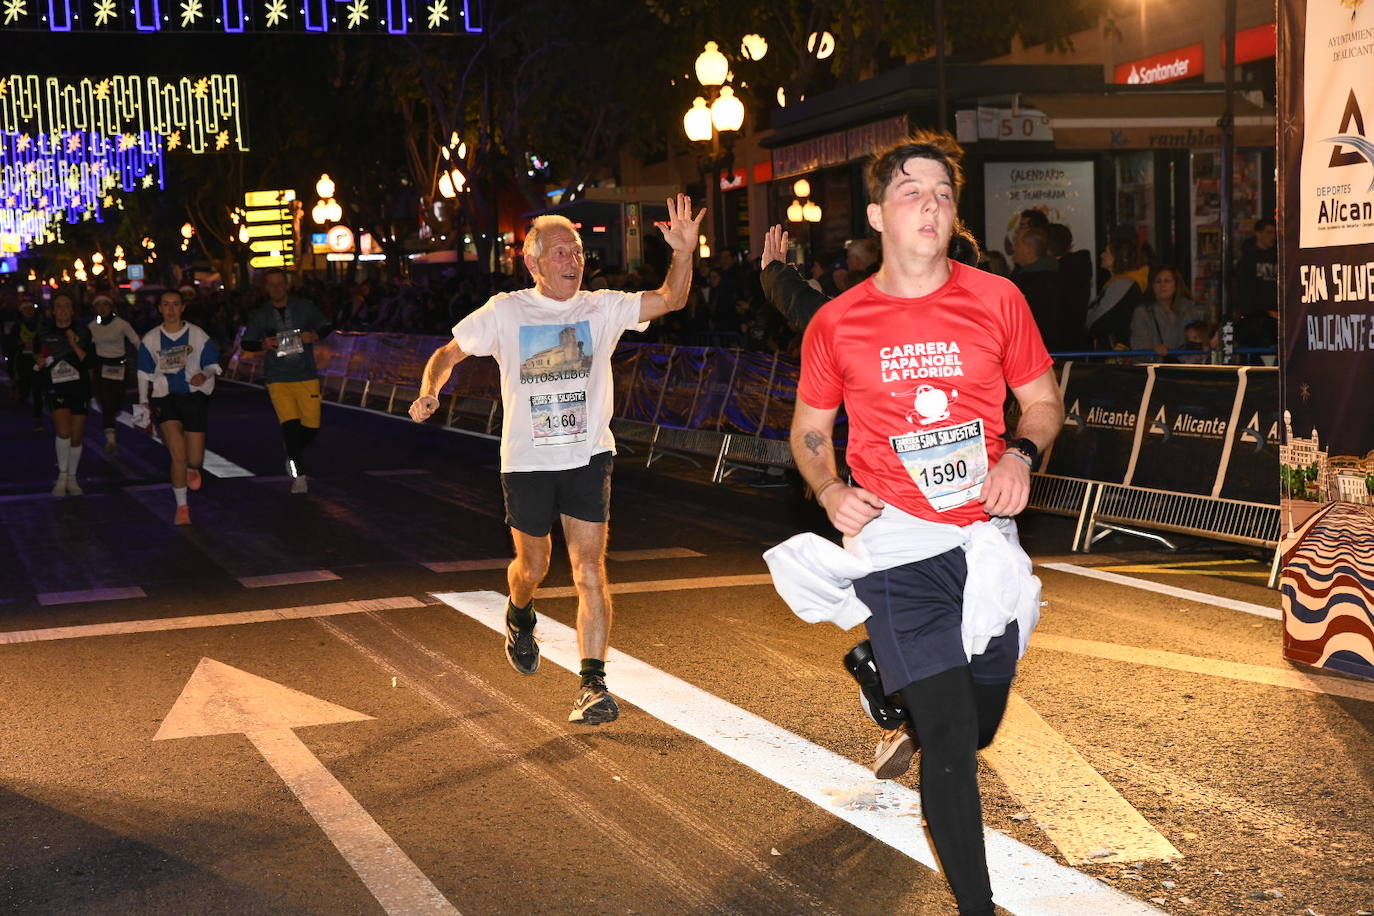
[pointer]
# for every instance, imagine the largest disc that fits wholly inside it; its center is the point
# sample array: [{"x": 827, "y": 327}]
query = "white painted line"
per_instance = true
[
  {"x": 1173, "y": 591},
  {"x": 448, "y": 566},
  {"x": 219, "y": 700},
  {"x": 1290, "y": 678},
  {"x": 659, "y": 553},
  {"x": 235, "y": 618},
  {"x": 214, "y": 463},
  {"x": 290, "y": 578},
  {"x": 1085, "y": 818},
  {"x": 94, "y": 594},
  {"x": 665, "y": 585},
  {"x": 1026, "y": 882}
]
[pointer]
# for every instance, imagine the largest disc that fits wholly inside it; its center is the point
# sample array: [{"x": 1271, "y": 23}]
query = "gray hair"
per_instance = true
[{"x": 534, "y": 239}]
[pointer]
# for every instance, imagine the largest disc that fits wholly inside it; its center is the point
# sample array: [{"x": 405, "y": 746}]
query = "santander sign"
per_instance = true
[{"x": 1178, "y": 64}]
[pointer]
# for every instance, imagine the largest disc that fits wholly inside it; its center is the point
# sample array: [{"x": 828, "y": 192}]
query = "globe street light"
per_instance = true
[{"x": 711, "y": 66}]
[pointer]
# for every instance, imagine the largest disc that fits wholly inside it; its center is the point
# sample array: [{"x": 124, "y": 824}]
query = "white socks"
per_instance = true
[
  {"x": 73, "y": 460},
  {"x": 180, "y": 494},
  {"x": 64, "y": 451}
]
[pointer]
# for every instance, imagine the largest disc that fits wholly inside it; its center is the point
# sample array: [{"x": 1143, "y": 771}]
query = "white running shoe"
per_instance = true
[
  {"x": 74, "y": 488},
  {"x": 299, "y": 485},
  {"x": 59, "y": 489}
]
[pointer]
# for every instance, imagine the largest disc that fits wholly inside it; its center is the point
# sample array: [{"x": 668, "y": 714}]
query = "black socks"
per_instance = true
[
  {"x": 522, "y": 617},
  {"x": 593, "y": 667}
]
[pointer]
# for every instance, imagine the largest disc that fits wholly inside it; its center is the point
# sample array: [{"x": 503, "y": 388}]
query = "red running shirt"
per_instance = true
[{"x": 924, "y": 382}]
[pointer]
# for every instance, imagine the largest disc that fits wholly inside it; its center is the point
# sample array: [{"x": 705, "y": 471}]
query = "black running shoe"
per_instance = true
[
  {"x": 522, "y": 649},
  {"x": 595, "y": 705}
]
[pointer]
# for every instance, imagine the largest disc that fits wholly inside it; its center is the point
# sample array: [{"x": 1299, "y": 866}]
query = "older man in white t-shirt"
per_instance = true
[{"x": 554, "y": 344}]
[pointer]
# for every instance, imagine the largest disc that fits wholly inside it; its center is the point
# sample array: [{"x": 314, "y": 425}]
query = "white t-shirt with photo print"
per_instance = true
[{"x": 555, "y": 360}]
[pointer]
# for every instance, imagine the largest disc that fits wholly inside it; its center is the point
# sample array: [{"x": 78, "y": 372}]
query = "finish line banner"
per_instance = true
[{"x": 1326, "y": 275}]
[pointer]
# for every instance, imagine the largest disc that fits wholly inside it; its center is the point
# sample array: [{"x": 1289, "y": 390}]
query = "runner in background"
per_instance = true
[
  {"x": 553, "y": 344},
  {"x": 112, "y": 336},
  {"x": 287, "y": 328},
  {"x": 62, "y": 354},
  {"x": 177, "y": 365}
]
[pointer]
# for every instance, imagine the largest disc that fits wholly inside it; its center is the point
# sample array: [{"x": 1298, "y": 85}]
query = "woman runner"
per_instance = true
[
  {"x": 62, "y": 353},
  {"x": 177, "y": 365},
  {"x": 112, "y": 336}
]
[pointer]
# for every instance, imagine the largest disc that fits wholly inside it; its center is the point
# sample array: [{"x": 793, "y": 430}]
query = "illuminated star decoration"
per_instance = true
[
  {"x": 24, "y": 141},
  {"x": 104, "y": 11},
  {"x": 148, "y": 181},
  {"x": 276, "y": 12},
  {"x": 190, "y": 11},
  {"x": 109, "y": 200},
  {"x": 102, "y": 88},
  {"x": 4, "y": 87},
  {"x": 438, "y": 12},
  {"x": 174, "y": 139},
  {"x": 357, "y": 12},
  {"x": 14, "y": 9},
  {"x": 222, "y": 139},
  {"x": 74, "y": 142},
  {"x": 201, "y": 84},
  {"x": 126, "y": 141}
]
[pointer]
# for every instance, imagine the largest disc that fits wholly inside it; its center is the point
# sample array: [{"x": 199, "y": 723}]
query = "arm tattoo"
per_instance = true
[{"x": 815, "y": 442}]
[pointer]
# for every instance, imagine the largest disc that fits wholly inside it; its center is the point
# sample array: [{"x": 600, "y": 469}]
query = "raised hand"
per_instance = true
[
  {"x": 774, "y": 246},
  {"x": 682, "y": 230}
]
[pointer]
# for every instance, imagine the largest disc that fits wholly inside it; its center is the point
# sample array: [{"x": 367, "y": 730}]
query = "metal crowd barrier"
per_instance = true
[{"x": 753, "y": 390}]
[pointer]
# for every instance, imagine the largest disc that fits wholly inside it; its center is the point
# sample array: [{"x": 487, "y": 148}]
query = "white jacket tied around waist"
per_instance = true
[{"x": 815, "y": 576}]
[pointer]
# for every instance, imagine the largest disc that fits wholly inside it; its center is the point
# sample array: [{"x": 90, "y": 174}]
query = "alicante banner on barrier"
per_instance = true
[
  {"x": 1255, "y": 438},
  {"x": 1186, "y": 421},
  {"x": 1102, "y": 410},
  {"x": 1326, "y": 271}
]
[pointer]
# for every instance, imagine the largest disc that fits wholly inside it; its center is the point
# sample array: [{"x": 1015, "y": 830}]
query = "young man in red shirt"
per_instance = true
[{"x": 921, "y": 355}]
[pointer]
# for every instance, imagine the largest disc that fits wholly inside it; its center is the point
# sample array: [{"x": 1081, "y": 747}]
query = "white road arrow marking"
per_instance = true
[{"x": 222, "y": 700}]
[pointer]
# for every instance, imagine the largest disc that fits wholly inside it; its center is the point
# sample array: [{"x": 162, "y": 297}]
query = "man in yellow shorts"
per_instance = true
[{"x": 286, "y": 329}]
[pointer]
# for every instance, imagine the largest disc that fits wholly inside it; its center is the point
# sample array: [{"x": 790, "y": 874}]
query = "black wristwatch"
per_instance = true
[{"x": 1027, "y": 448}]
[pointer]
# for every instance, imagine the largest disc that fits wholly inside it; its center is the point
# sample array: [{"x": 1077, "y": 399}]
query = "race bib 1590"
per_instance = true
[
  {"x": 948, "y": 464},
  {"x": 559, "y": 418}
]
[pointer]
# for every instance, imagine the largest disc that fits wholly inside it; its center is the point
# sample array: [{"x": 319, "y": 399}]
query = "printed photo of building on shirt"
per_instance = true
[{"x": 555, "y": 352}]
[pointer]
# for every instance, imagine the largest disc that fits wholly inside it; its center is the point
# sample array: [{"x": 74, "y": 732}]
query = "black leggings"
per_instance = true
[
  {"x": 296, "y": 437},
  {"x": 954, "y": 716}
]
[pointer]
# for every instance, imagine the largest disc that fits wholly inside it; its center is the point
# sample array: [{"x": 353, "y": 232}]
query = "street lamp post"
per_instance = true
[{"x": 719, "y": 123}]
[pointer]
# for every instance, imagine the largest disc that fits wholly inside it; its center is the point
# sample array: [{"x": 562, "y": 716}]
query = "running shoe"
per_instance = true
[
  {"x": 595, "y": 705},
  {"x": 183, "y": 516},
  {"x": 893, "y": 755},
  {"x": 59, "y": 489},
  {"x": 74, "y": 488},
  {"x": 193, "y": 478},
  {"x": 522, "y": 649},
  {"x": 299, "y": 485}
]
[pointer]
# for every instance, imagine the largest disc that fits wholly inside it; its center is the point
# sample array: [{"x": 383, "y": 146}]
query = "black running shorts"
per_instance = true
[
  {"x": 73, "y": 396},
  {"x": 190, "y": 409},
  {"x": 917, "y": 624},
  {"x": 535, "y": 498}
]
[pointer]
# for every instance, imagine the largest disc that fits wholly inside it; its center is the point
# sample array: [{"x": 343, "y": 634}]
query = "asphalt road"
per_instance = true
[{"x": 280, "y": 716}]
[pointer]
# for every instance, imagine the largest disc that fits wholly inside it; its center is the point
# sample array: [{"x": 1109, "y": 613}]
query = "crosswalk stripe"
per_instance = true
[
  {"x": 1085, "y": 818},
  {"x": 47, "y": 599},
  {"x": 1172, "y": 591},
  {"x": 288, "y": 578},
  {"x": 1026, "y": 882}
]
